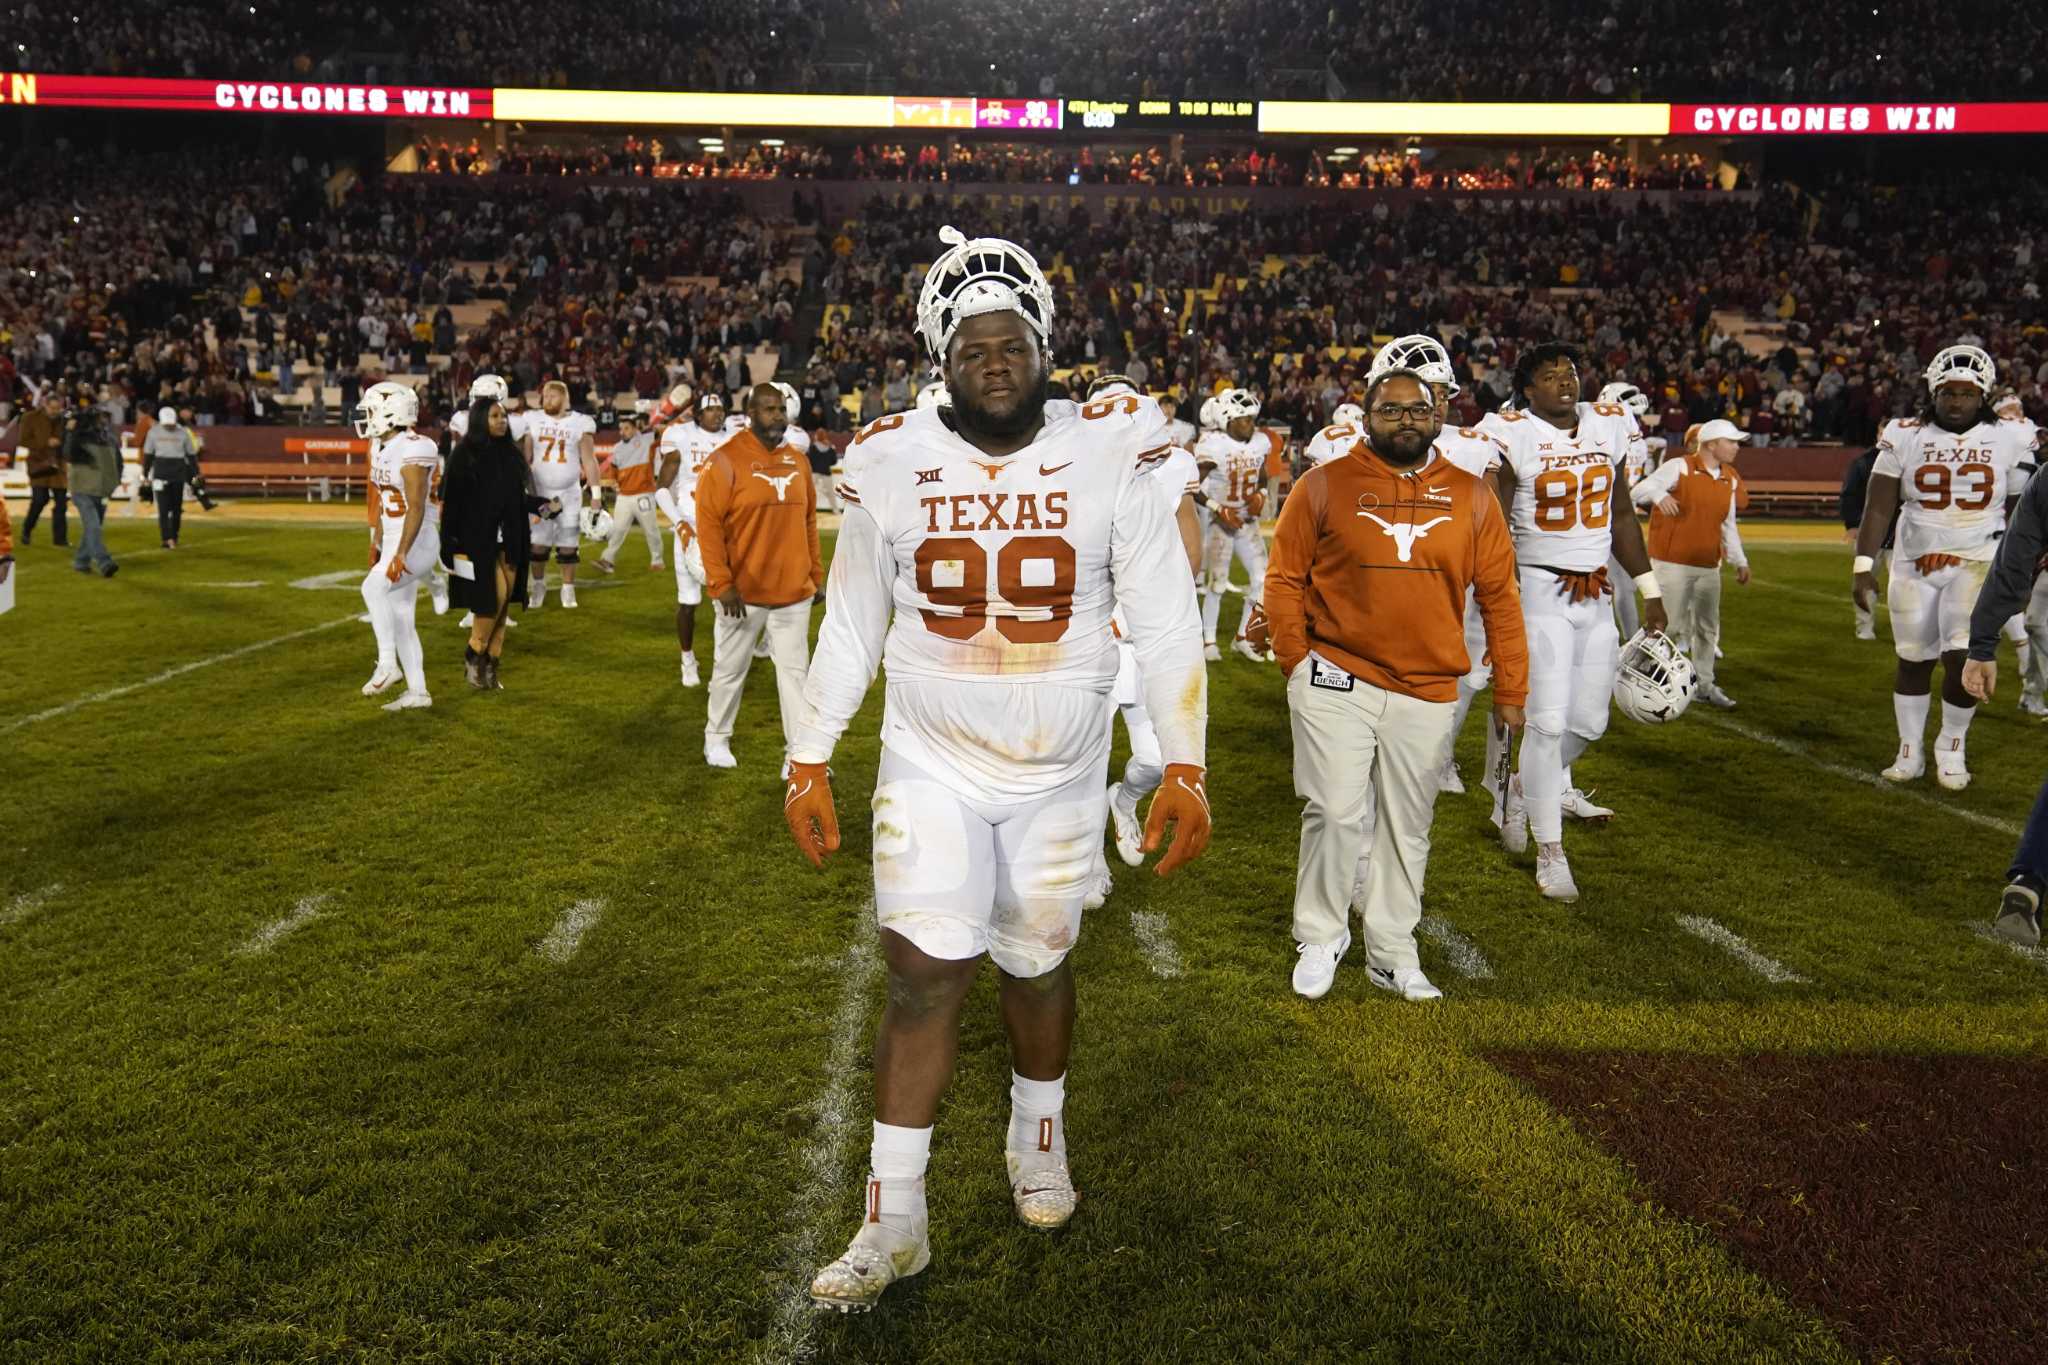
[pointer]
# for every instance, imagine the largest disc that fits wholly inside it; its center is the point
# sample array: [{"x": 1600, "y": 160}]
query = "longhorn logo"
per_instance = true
[
  {"x": 781, "y": 482},
  {"x": 1405, "y": 534}
]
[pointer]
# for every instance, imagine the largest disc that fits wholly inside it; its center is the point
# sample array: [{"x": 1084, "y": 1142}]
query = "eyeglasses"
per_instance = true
[{"x": 1394, "y": 412}]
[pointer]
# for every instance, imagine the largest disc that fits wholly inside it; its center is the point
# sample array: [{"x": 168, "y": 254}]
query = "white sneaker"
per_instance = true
[
  {"x": 1579, "y": 805},
  {"x": 1554, "y": 874},
  {"x": 878, "y": 1257},
  {"x": 1042, "y": 1189},
  {"x": 1247, "y": 649},
  {"x": 1407, "y": 982},
  {"x": 1100, "y": 884},
  {"x": 1514, "y": 828},
  {"x": 437, "y": 589},
  {"x": 1450, "y": 780},
  {"x": 1866, "y": 632},
  {"x": 1129, "y": 836},
  {"x": 468, "y": 620},
  {"x": 2031, "y": 703},
  {"x": 1909, "y": 766},
  {"x": 568, "y": 597},
  {"x": 1211, "y": 653},
  {"x": 1950, "y": 767},
  {"x": 690, "y": 671},
  {"x": 1715, "y": 697},
  {"x": 537, "y": 596},
  {"x": 1315, "y": 966},
  {"x": 410, "y": 701},
  {"x": 718, "y": 753},
  {"x": 386, "y": 676}
]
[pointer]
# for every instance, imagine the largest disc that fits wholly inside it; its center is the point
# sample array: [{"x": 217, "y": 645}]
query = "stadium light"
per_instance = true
[
  {"x": 1345, "y": 151},
  {"x": 771, "y": 142}
]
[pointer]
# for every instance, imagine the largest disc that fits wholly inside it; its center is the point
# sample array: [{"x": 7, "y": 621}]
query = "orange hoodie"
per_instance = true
[
  {"x": 1370, "y": 567},
  {"x": 757, "y": 523},
  {"x": 6, "y": 533}
]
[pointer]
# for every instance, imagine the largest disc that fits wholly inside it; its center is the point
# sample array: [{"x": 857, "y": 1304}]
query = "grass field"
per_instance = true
[{"x": 508, "y": 1030}]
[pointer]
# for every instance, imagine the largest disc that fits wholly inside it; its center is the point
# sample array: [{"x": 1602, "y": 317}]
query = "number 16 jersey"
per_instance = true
[{"x": 1565, "y": 483}]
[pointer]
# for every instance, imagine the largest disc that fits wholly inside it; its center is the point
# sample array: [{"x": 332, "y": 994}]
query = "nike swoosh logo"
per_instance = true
[{"x": 1042, "y": 470}]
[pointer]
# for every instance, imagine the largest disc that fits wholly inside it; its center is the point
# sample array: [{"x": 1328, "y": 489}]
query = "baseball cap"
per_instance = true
[
  {"x": 710, "y": 400},
  {"x": 1721, "y": 429}
]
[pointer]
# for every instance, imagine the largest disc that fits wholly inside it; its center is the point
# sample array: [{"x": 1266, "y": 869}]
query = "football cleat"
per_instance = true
[
  {"x": 1514, "y": 827},
  {"x": 606, "y": 567},
  {"x": 1130, "y": 837},
  {"x": 2031, "y": 703},
  {"x": 718, "y": 753},
  {"x": 1715, "y": 697},
  {"x": 382, "y": 680},
  {"x": 1554, "y": 874},
  {"x": 1449, "y": 779},
  {"x": 568, "y": 597},
  {"x": 2019, "y": 915},
  {"x": 1315, "y": 966},
  {"x": 1579, "y": 806},
  {"x": 410, "y": 701},
  {"x": 1100, "y": 884},
  {"x": 1042, "y": 1189},
  {"x": 1866, "y": 630},
  {"x": 1909, "y": 766},
  {"x": 1951, "y": 767},
  {"x": 878, "y": 1257},
  {"x": 690, "y": 678},
  {"x": 1247, "y": 649},
  {"x": 1407, "y": 982},
  {"x": 1211, "y": 653}
]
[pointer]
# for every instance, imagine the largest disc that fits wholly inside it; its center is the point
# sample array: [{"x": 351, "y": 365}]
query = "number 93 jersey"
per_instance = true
[
  {"x": 1952, "y": 487},
  {"x": 1565, "y": 483}
]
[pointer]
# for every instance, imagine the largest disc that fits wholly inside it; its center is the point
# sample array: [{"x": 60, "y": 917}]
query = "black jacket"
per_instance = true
[
  {"x": 1856, "y": 490},
  {"x": 486, "y": 500},
  {"x": 2011, "y": 584}
]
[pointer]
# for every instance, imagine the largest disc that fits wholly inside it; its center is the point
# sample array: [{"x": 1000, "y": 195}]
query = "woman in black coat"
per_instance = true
[{"x": 487, "y": 512}]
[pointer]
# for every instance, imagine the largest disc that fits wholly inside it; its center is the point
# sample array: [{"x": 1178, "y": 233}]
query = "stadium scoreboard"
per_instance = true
[{"x": 1163, "y": 115}]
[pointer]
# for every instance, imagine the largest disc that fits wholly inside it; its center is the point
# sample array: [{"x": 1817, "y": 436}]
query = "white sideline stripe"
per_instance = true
[
  {"x": 1737, "y": 947},
  {"x": 114, "y": 693},
  {"x": 2037, "y": 956},
  {"x": 562, "y": 941},
  {"x": 1155, "y": 941},
  {"x": 27, "y": 903},
  {"x": 209, "y": 543},
  {"x": 1868, "y": 779},
  {"x": 1466, "y": 959},
  {"x": 792, "y": 1334},
  {"x": 238, "y": 583},
  {"x": 1839, "y": 598},
  {"x": 275, "y": 932}
]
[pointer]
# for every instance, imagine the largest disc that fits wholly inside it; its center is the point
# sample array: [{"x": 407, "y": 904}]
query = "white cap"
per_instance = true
[
  {"x": 167, "y": 416},
  {"x": 1721, "y": 429},
  {"x": 710, "y": 400}
]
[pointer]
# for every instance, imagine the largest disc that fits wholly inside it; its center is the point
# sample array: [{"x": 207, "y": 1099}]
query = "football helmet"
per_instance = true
[
  {"x": 2007, "y": 404},
  {"x": 1419, "y": 352},
  {"x": 1110, "y": 385},
  {"x": 934, "y": 395},
  {"x": 1210, "y": 421},
  {"x": 597, "y": 523},
  {"x": 679, "y": 396},
  {"x": 1348, "y": 414},
  {"x": 976, "y": 276},
  {"x": 491, "y": 386},
  {"x": 385, "y": 408},
  {"x": 1971, "y": 364},
  {"x": 1232, "y": 404},
  {"x": 1629, "y": 396},
  {"x": 791, "y": 401},
  {"x": 1656, "y": 681}
]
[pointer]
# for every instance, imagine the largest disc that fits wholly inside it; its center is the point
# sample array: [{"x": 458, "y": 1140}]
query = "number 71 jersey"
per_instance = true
[
  {"x": 1952, "y": 487},
  {"x": 1563, "y": 510}
]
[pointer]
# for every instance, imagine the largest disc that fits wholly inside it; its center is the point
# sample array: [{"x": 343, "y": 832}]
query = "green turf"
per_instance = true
[{"x": 402, "y": 1132}]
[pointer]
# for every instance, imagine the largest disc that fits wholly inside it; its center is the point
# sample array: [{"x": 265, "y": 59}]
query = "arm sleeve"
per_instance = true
[
  {"x": 665, "y": 499},
  {"x": 1148, "y": 575},
  {"x": 1499, "y": 595},
  {"x": 1731, "y": 539},
  {"x": 2011, "y": 582},
  {"x": 1661, "y": 481},
  {"x": 1294, "y": 547},
  {"x": 851, "y": 638},
  {"x": 714, "y": 492}
]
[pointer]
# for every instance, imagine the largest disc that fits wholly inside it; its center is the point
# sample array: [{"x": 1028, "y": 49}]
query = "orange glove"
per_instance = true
[
  {"x": 808, "y": 808},
  {"x": 1183, "y": 803},
  {"x": 1228, "y": 519},
  {"x": 395, "y": 570}
]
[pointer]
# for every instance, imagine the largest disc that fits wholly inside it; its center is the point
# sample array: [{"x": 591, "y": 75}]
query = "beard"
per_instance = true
[
  {"x": 1404, "y": 448},
  {"x": 771, "y": 436},
  {"x": 1026, "y": 414}
]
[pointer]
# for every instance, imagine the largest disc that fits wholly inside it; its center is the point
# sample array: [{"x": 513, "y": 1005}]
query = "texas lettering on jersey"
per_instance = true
[
  {"x": 1952, "y": 485},
  {"x": 557, "y": 444}
]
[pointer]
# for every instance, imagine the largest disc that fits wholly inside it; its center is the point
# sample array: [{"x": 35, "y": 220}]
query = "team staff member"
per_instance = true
[
  {"x": 633, "y": 467},
  {"x": 757, "y": 528},
  {"x": 1692, "y": 502},
  {"x": 167, "y": 463},
  {"x": 1366, "y": 599}
]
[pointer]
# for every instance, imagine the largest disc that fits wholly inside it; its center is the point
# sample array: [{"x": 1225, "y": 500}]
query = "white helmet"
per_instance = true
[
  {"x": 1347, "y": 414},
  {"x": 679, "y": 397},
  {"x": 2009, "y": 405},
  {"x": 491, "y": 386},
  {"x": 1629, "y": 396},
  {"x": 984, "y": 275},
  {"x": 790, "y": 399},
  {"x": 1969, "y": 363},
  {"x": 934, "y": 395},
  {"x": 1656, "y": 680},
  {"x": 167, "y": 416},
  {"x": 1111, "y": 386},
  {"x": 1419, "y": 352},
  {"x": 1232, "y": 404},
  {"x": 385, "y": 408},
  {"x": 1210, "y": 421},
  {"x": 597, "y": 524}
]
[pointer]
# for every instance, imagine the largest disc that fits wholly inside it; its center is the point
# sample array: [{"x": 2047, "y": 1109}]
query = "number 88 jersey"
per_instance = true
[
  {"x": 1952, "y": 486},
  {"x": 1566, "y": 483}
]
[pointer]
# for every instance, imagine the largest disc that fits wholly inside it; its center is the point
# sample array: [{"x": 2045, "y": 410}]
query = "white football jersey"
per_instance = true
[
  {"x": 557, "y": 443},
  {"x": 1565, "y": 483},
  {"x": 693, "y": 448},
  {"x": 1239, "y": 466},
  {"x": 985, "y": 586},
  {"x": 1953, "y": 486},
  {"x": 1333, "y": 442},
  {"x": 1181, "y": 433},
  {"x": 1175, "y": 476},
  {"x": 1471, "y": 450},
  {"x": 458, "y": 425},
  {"x": 388, "y": 460}
]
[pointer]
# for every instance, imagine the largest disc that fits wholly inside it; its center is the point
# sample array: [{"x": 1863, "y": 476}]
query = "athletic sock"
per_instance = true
[
  {"x": 1037, "y": 1126},
  {"x": 1912, "y": 717},
  {"x": 1955, "y": 724},
  {"x": 896, "y": 1166}
]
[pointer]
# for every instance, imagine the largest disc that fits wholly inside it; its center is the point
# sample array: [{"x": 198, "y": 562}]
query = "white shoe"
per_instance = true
[
  {"x": 1247, "y": 649},
  {"x": 410, "y": 701},
  {"x": 1909, "y": 766},
  {"x": 718, "y": 753},
  {"x": 606, "y": 567},
  {"x": 568, "y": 597},
  {"x": 1514, "y": 829},
  {"x": 536, "y": 596},
  {"x": 1554, "y": 874},
  {"x": 1866, "y": 632},
  {"x": 1450, "y": 780},
  {"x": 1715, "y": 697},
  {"x": 1228, "y": 586},
  {"x": 1407, "y": 982},
  {"x": 1315, "y": 966},
  {"x": 1950, "y": 767},
  {"x": 878, "y": 1257},
  {"x": 690, "y": 671},
  {"x": 1129, "y": 837},
  {"x": 1042, "y": 1189},
  {"x": 382, "y": 680},
  {"x": 1579, "y": 805},
  {"x": 1100, "y": 884},
  {"x": 437, "y": 589},
  {"x": 2031, "y": 703},
  {"x": 468, "y": 620},
  {"x": 1211, "y": 653}
]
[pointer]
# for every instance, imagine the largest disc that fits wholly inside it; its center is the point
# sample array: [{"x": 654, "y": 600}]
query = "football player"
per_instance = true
[
  {"x": 1233, "y": 463},
  {"x": 561, "y": 445},
  {"x": 984, "y": 547},
  {"x": 1950, "y": 474},
  {"x": 686, "y": 447},
  {"x": 1346, "y": 429},
  {"x": 2028, "y": 631},
  {"x": 405, "y": 537},
  {"x": 1565, "y": 472},
  {"x": 633, "y": 468},
  {"x": 1625, "y": 395}
]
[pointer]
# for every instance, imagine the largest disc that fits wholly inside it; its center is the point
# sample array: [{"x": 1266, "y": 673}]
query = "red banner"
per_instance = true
[
  {"x": 1855, "y": 120},
  {"x": 244, "y": 97},
  {"x": 325, "y": 445}
]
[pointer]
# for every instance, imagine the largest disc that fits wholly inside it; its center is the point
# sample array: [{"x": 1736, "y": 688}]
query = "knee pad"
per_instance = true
[
  {"x": 945, "y": 937},
  {"x": 567, "y": 557},
  {"x": 540, "y": 554},
  {"x": 1026, "y": 961}
]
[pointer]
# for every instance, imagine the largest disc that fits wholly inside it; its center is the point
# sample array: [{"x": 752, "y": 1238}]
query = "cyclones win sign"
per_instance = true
[{"x": 244, "y": 97}]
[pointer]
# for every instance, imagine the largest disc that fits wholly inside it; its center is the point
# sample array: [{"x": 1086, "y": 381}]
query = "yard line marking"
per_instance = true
[
  {"x": 208, "y": 544},
  {"x": 275, "y": 932},
  {"x": 238, "y": 583},
  {"x": 792, "y": 1334},
  {"x": 1466, "y": 959},
  {"x": 114, "y": 693},
  {"x": 562, "y": 941},
  {"x": 1155, "y": 942},
  {"x": 27, "y": 903},
  {"x": 2037, "y": 956},
  {"x": 1839, "y": 598},
  {"x": 1737, "y": 947},
  {"x": 1868, "y": 779}
]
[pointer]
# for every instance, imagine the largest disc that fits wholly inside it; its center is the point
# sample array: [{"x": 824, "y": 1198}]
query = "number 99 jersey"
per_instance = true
[
  {"x": 1952, "y": 487},
  {"x": 1565, "y": 483}
]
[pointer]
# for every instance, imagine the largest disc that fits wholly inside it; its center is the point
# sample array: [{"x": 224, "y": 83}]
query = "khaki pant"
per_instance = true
[
  {"x": 732, "y": 654},
  {"x": 629, "y": 510},
  {"x": 1351, "y": 747},
  {"x": 1692, "y": 601}
]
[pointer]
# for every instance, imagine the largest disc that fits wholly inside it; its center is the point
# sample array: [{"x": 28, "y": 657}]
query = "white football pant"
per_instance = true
[
  {"x": 732, "y": 653},
  {"x": 394, "y": 607},
  {"x": 1146, "y": 767},
  {"x": 689, "y": 567},
  {"x": 1931, "y": 612},
  {"x": 1247, "y": 545},
  {"x": 1573, "y": 655}
]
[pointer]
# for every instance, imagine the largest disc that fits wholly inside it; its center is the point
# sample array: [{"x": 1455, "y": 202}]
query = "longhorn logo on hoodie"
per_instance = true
[{"x": 1405, "y": 534}]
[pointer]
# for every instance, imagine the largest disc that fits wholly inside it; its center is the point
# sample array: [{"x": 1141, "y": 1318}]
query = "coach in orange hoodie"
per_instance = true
[
  {"x": 757, "y": 527},
  {"x": 1366, "y": 598}
]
